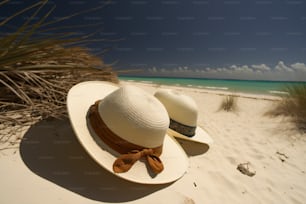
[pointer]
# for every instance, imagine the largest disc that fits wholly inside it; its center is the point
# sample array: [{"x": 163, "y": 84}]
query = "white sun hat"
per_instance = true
[
  {"x": 118, "y": 124},
  {"x": 183, "y": 113}
]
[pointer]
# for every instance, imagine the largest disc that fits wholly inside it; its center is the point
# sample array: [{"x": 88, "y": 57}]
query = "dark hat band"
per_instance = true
[{"x": 186, "y": 130}]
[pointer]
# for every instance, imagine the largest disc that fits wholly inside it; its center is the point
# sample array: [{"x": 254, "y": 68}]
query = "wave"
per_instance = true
[
  {"x": 215, "y": 87},
  {"x": 147, "y": 82},
  {"x": 278, "y": 92}
]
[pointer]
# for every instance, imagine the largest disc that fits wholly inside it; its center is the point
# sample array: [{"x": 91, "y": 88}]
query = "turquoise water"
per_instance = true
[{"x": 244, "y": 86}]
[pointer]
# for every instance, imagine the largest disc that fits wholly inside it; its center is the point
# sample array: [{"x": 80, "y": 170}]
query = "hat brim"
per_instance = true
[
  {"x": 201, "y": 136},
  {"x": 80, "y": 97}
]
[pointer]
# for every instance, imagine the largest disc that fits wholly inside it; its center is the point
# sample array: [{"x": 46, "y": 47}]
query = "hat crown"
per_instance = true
[
  {"x": 180, "y": 107},
  {"x": 135, "y": 116}
]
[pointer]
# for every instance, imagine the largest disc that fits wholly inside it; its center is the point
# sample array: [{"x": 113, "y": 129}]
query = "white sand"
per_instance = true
[{"x": 50, "y": 166}]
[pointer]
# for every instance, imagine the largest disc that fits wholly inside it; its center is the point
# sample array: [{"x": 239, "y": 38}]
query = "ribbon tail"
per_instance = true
[
  {"x": 125, "y": 162},
  {"x": 155, "y": 163}
]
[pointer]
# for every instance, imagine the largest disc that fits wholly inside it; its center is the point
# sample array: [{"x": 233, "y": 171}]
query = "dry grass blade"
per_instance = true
[
  {"x": 34, "y": 27},
  {"x": 71, "y": 27},
  {"x": 4, "y": 2},
  {"x": 20, "y": 12},
  {"x": 77, "y": 14}
]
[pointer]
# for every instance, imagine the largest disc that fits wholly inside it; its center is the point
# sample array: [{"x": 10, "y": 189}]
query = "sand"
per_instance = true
[{"x": 50, "y": 166}]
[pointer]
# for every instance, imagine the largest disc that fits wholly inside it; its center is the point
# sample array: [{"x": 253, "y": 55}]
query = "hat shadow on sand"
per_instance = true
[
  {"x": 193, "y": 148},
  {"x": 51, "y": 150}
]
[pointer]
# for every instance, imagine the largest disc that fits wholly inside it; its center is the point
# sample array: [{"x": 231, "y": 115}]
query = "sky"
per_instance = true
[{"x": 253, "y": 39}]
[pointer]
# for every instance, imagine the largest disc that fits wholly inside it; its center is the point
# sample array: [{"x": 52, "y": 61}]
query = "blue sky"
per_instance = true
[{"x": 255, "y": 39}]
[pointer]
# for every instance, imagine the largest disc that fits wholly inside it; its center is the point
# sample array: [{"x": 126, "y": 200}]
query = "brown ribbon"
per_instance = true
[{"x": 130, "y": 153}]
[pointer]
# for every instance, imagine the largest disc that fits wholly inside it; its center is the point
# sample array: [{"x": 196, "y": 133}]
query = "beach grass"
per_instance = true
[
  {"x": 37, "y": 69},
  {"x": 292, "y": 105},
  {"x": 229, "y": 103}
]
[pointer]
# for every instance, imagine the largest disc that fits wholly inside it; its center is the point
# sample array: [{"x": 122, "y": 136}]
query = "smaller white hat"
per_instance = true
[
  {"x": 118, "y": 124},
  {"x": 183, "y": 113}
]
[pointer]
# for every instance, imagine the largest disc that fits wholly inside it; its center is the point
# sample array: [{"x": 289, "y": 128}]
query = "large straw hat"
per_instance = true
[
  {"x": 183, "y": 113},
  {"x": 117, "y": 126}
]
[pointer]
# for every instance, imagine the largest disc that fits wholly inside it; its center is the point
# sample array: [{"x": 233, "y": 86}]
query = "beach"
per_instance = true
[{"x": 48, "y": 165}]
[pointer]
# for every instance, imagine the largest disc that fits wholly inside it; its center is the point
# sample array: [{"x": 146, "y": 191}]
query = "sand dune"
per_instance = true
[{"x": 49, "y": 166}]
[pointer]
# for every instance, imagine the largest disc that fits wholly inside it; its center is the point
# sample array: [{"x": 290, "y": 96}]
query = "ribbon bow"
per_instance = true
[{"x": 126, "y": 161}]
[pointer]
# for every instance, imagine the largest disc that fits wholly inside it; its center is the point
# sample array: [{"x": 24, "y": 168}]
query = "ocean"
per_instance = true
[{"x": 241, "y": 86}]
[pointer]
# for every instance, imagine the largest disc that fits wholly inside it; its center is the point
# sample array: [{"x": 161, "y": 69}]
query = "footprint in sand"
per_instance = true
[
  {"x": 188, "y": 201},
  {"x": 232, "y": 160}
]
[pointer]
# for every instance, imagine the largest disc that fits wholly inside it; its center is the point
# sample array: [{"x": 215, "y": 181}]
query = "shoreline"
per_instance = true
[
  {"x": 204, "y": 90},
  {"x": 257, "y": 87}
]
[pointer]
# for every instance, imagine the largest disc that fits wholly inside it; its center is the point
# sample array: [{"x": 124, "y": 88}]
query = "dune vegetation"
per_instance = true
[
  {"x": 292, "y": 105},
  {"x": 40, "y": 61},
  {"x": 229, "y": 103}
]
